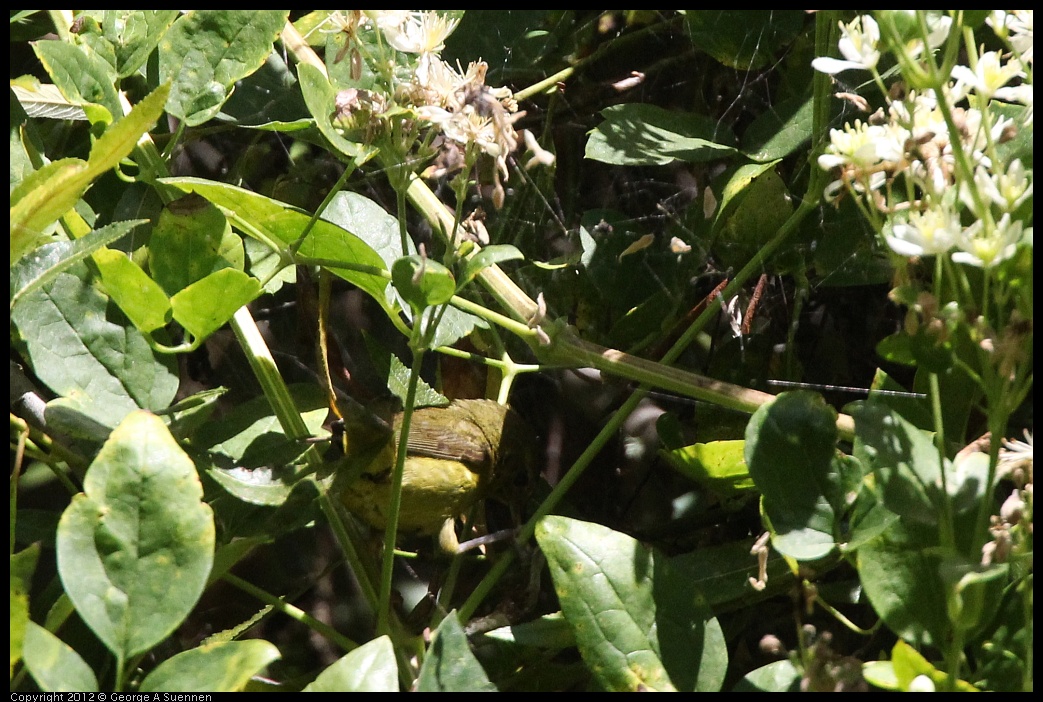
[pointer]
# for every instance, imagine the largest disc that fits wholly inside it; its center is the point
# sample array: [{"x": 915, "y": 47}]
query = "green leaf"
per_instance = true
[
  {"x": 780, "y": 676},
  {"x": 396, "y": 376},
  {"x": 120, "y": 138},
  {"x": 81, "y": 78},
  {"x": 780, "y": 131},
  {"x": 371, "y": 223},
  {"x": 899, "y": 571},
  {"x": 205, "y": 52},
  {"x": 904, "y": 460},
  {"x": 277, "y": 224},
  {"x": 718, "y": 465},
  {"x": 321, "y": 98},
  {"x": 191, "y": 240},
  {"x": 638, "y": 623},
  {"x": 422, "y": 282},
  {"x": 135, "y": 548},
  {"x": 23, "y": 565},
  {"x": 134, "y": 34},
  {"x": 140, "y": 297},
  {"x": 250, "y": 434},
  {"x": 449, "y": 665},
  {"x": 369, "y": 668},
  {"x": 790, "y": 449},
  {"x": 755, "y": 204},
  {"x": 645, "y": 135},
  {"x": 83, "y": 349},
  {"x": 46, "y": 262},
  {"x": 54, "y": 665},
  {"x": 39, "y": 200},
  {"x": 907, "y": 664},
  {"x": 206, "y": 305},
  {"x": 489, "y": 256},
  {"x": 220, "y": 667},
  {"x": 723, "y": 573},
  {"x": 743, "y": 39}
]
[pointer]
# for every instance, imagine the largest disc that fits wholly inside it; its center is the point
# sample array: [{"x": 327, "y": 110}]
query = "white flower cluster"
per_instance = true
[
  {"x": 927, "y": 161},
  {"x": 466, "y": 111}
]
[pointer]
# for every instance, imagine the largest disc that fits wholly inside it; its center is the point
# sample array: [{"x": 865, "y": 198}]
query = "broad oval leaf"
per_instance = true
[
  {"x": 206, "y": 305},
  {"x": 135, "y": 548},
  {"x": 638, "y": 623},
  {"x": 138, "y": 295},
  {"x": 422, "y": 282},
  {"x": 82, "y": 347},
  {"x": 790, "y": 450}
]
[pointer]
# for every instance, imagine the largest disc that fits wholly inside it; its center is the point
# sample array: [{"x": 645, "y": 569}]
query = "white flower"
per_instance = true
[
  {"x": 989, "y": 75},
  {"x": 422, "y": 33},
  {"x": 858, "y": 44},
  {"x": 925, "y": 234},
  {"x": 1007, "y": 190},
  {"x": 938, "y": 27},
  {"x": 1014, "y": 26},
  {"x": 984, "y": 249},
  {"x": 859, "y": 145},
  {"x": 388, "y": 19}
]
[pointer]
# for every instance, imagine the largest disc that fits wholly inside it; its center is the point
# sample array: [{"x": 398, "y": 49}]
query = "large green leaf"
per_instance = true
[
  {"x": 645, "y": 135},
  {"x": 133, "y": 34},
  {"x": 138, "y": 295},
  {"x": 135, "y": 548},
  {"x": 205, "y": 52},
  {"x": 904, "y": 460},
  {"x": 226, "y": 666},
  {"x": 449, "y": 665},
  {"x": 83, "y": 349},
  {"x": 791, "y": 452},
  {"x": 82, "y": 78},
  {"x": 638, "y": 622},
  {"x": 899, "y": 571},
  {"x": 369, "y": 668},
  {"x": 780, "y": 131},
  {"x": 278, "y": 224},
  {"x": 191, "y": 240}
]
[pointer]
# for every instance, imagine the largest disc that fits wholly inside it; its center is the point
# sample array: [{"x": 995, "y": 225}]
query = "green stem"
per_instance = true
[
  {"x": 395, "y": 504},
  {"x": 291, "y": 611},
  {"x": 272, "y": 383}
]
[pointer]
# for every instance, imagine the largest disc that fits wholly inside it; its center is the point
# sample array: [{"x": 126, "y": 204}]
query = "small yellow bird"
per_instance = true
[{"x": 456, "y": 455}]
